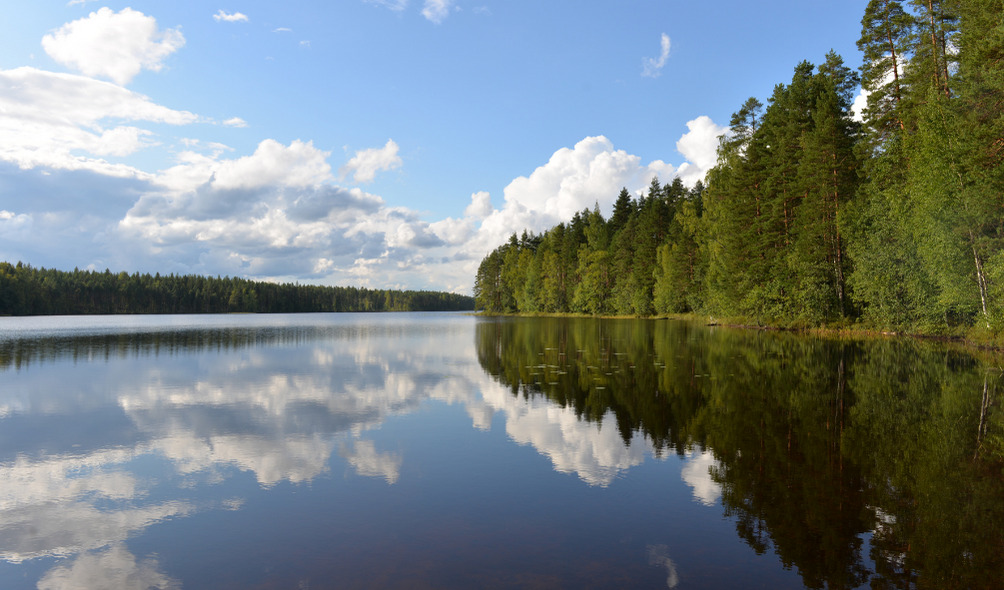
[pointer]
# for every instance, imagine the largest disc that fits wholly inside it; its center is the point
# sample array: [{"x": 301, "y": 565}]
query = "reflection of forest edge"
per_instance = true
[
  {"x": 18, "y": 353},
  {"x": 822, "y": 448}
]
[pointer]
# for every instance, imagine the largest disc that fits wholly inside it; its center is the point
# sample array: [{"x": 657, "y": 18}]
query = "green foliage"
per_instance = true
[
  {"x": 813, "y": 216},
  {"x": 25, "y": 290}
]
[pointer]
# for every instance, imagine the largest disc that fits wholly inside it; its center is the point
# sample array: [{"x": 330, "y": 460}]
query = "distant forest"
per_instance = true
[
  {"x": 25, "y": 290},
  {"x": 811, "y": 217}
]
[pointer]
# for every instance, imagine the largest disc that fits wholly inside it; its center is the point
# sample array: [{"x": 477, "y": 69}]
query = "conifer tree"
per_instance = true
[
  {"x": 884, "y": 42},
  {"x": 592, "y": 293},
  {"x": 827, "y": 174}
]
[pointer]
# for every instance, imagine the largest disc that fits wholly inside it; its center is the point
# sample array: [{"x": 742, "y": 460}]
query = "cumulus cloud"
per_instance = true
[
  {"x": 276, "y": 213},
  {"x": 592, "y": 172},
  {"x": 297, "y": 165},
  {"x": 480, "y": 207},
  {"x": 652, "y": 66},
  {"x": 364, "y": 166},
  {"x": 235, "y": 122},
  {"x": 699, "y": 145},
  {"x": 114, "y": 45},
  {"x": 230, "y": 18},
  {"x": 859, "y": 106},
  {"x": 436, "y": 10}
]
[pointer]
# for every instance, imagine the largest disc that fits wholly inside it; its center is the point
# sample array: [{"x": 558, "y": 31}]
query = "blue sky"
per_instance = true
[{"x": 380, "y": 143}]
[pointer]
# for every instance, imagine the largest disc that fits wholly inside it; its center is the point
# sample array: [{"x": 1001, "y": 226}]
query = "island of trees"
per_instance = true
[
  {"x": 25, "y": 290},
  {"x": 812, "y": 217}
]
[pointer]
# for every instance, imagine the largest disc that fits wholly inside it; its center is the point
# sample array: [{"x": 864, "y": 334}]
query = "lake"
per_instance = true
[{"x": 441, "y": 450}]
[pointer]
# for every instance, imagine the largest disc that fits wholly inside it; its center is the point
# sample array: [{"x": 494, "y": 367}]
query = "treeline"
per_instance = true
[
  {"x": 25, "y": 290},
  {"x": 811, "y": 216}
]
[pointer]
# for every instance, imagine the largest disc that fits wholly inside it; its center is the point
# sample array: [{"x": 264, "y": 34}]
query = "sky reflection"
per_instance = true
[{"x": 184, "y": 421}]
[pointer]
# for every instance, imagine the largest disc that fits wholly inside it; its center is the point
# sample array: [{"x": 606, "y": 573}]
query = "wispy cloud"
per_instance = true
[
  {"x": 282, "y": 30},
  {"x": 41, "y": 127},
  {"x": 395, "y": 5},
  {"x": 230, "y": 18},
  {"x": 652, "y": 66},
  {"x": 114, "y": 45},
  {"x": 437, "y": 10},
  {"x": 235, "y": 122}
]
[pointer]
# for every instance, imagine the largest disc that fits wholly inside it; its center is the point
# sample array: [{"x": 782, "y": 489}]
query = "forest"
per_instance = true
[
  {"x": 890, "y": 219},
  {"x": 25, "y": 290}
]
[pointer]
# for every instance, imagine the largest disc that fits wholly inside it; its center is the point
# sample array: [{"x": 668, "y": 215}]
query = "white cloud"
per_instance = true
[
  {"x": 230, "y": 18},
  {"x": 480, "y": 207},
  {"x": 859, "y": 106},
  {"x": 235, "y": 122},
  {"x": 63, "y": 120},
  {"x": 276, "y": 213},
  {"x": 282, "y": 30},
  {"x": 437, "y": 10},
  {"x": 652, "y": 66},
  {"x": 366, "y": 163},
  {"x": 298, "y": 165},
  {"x": 114, "y": 45},
  {"x": 577, "y": 178},
  {"x": 395, "y": 5},
  {"x": 699, "y": 145}
]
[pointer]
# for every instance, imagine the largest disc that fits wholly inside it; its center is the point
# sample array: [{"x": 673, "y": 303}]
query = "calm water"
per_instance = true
[{"x": 444, "y": 450}]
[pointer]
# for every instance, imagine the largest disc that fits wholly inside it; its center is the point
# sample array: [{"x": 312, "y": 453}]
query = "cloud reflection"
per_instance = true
[
  {"x": 658, "y": 555},
  {"x": 370, "y": 463},
  {"x": 115, "y": 567},
  {"x": 51, "y": 528},
  {"x": 278, "y": 411},
  {"x": 594, "y": 451},
  {"x": 697, "y": 474}
]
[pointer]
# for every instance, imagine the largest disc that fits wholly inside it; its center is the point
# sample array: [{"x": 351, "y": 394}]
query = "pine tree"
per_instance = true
[
  {"x": 592, "y": 294},
  {"x": 884, "y": 42},
  {"x": 827, "y": 174},
  {"x": 734, "y": 211},
  {"x": 654, "y": 219}
]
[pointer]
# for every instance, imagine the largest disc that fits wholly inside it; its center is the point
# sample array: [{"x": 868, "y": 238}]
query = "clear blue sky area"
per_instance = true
[{"x": 382, "y": 143}]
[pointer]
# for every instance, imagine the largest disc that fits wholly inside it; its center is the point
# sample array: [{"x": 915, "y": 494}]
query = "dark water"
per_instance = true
[{"x": 443, "y": 450}]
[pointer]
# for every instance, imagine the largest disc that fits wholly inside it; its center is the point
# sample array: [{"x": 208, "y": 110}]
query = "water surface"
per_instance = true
[{"x": 443, "y": 450}]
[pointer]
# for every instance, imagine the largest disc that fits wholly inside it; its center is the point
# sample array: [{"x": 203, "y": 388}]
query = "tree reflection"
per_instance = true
[{"x": 864, "y": 462}]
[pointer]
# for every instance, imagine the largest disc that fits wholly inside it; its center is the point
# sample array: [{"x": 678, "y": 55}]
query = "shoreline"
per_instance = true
[{"x": 845, "y": 332}]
